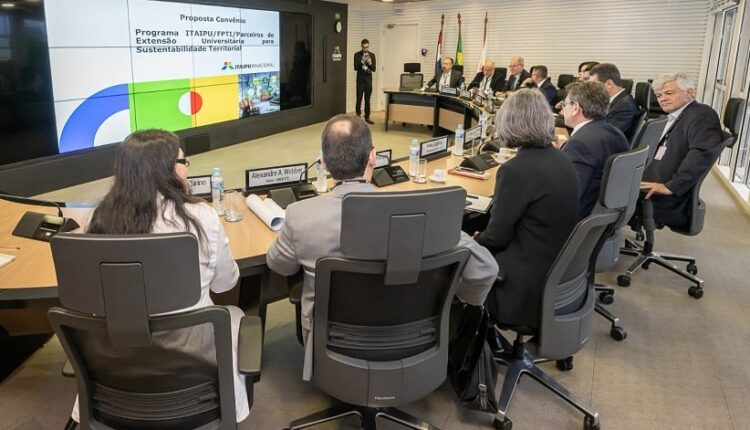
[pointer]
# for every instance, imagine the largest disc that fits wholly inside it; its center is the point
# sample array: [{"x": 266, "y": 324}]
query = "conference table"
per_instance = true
[
  {"x": 28, "y": 285},
  {"x": 443, "y": 111}
]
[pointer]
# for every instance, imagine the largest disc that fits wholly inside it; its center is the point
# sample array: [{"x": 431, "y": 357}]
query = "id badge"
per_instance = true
[{"x": 660, "y": 152}]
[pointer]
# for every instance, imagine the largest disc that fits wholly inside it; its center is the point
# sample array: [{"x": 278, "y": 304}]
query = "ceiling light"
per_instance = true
[{"x": 7, "y": 5}]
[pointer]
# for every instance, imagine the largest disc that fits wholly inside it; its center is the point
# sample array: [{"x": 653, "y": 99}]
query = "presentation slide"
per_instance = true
[{"x": 123, "y": 65}]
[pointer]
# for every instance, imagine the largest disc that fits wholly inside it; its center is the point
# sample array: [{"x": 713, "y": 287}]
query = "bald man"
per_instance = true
[
  {"x": 516, "y": 74},
  {"x": 488, "y": 79}
]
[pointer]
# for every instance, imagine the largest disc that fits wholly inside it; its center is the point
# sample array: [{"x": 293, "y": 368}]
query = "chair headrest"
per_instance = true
[
  {"x": 643, "y": 94},
  {"x": 733, "y": 115},
  {"x": 401, "y": 227}
]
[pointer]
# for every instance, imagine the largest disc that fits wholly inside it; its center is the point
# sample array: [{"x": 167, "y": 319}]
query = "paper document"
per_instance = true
[
  {"x": 477, "y": 203},
  {"x": 5, "y": 259},
  {"x": 267, "y": 210}
]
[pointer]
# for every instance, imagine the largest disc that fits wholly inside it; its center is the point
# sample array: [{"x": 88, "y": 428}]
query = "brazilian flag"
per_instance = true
[{"x": 460, "y": 50}]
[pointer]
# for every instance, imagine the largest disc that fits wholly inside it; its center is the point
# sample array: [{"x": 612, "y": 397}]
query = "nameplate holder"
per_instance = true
[
  {"x": 465, "y": 94},
  {"x": 383, "y": 158},
  {"x": 199, "y": 185},
  {"x": 478, "y": 100},
  {"x": 433, "y": 148},
  {"x": 471, "y": 135},
  {"x": 450, "y": 91},
  {"x": 275, "y": 177}
]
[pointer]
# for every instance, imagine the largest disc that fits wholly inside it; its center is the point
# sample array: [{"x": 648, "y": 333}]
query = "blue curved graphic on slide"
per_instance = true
[{"x": 80, "y": 129}]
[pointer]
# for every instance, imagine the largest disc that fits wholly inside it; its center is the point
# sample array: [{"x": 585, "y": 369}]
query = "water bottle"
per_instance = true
[
  {"x": 321, "y": 182},
  {"x": 413, "y": 157},
  {"x": 483, "y": 124},
  {"x": 217, "y": 191},
  {"x": 458, "y": 142}
]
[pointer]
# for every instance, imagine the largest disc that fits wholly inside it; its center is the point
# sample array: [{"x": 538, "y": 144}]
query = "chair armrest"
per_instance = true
[
  {"x": 250, "y": 346},
  {"x": 67, "y": 370}
]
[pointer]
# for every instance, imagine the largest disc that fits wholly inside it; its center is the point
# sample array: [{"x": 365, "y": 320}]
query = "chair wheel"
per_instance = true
[
  {"x": 639, "y": 236},
  {"x": 618, "y": 333},
  {"x": 565, "y": 364},
  {"x": 591, "y": 423},
  {"x": 695, "y": 292},
  {"x": 623, "y": 280},
  {"x": 692, "y": 269},
  {"x": 506, "y": 424},
  {"x": 606, "y": 298}
]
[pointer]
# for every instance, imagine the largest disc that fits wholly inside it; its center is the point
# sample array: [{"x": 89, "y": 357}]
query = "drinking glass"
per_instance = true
[
  {"x": 421, "y": 177},
  {"x": 234, "y": 205}
]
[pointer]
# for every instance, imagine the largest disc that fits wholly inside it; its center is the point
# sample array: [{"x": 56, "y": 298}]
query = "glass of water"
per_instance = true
[
  {"x": 234, "y": 204},
  {"x": 421, "y": 177}
]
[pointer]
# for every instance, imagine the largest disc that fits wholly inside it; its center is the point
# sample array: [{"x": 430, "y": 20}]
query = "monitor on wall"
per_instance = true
[{"x": 77, "y": 74}]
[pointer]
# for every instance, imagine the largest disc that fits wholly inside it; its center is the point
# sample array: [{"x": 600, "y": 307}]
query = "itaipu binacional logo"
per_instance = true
[{"x": 228, "y": 65}]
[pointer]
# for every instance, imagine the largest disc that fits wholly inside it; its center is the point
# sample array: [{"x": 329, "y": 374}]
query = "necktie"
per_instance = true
[{"x": 515, "y": 82}]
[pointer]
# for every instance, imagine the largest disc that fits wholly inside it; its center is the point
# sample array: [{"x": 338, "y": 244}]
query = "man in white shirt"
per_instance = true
[
  {"x": 488, "y": 80},
  {"x": 446, "y": 77}
]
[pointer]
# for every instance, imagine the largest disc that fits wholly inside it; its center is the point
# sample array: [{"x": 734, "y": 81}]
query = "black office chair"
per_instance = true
[
  {"x": 619, "y": 191},
  {"x": 380, "y": 335},
  {"x": 130, "y": 369},
  {"x": 628, "y": 85},
  {"x": 646, "y": 255},
  {"x": 654, "y": 109},
  {"x": 643, "y": 99},
  {"x": 564, "y": 80},
  {"x": 568, "y": 303},
  {"x": 411, "y": 79},
  {"x": 502, "y": 71}
]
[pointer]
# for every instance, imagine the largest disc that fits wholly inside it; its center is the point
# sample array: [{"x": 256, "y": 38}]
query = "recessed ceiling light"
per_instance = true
[{"x": 7, "y": 5}]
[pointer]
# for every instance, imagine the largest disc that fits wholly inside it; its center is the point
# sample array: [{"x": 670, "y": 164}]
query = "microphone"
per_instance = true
[
  {"x": 31, "y": 201},
  {"x": 313, "y": 164}
]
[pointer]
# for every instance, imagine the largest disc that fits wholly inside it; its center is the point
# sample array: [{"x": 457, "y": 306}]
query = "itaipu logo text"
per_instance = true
[{"x": 230, "y": 66}]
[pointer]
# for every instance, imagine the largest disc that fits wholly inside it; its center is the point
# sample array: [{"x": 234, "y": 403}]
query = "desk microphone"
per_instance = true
[
  {"x": 40, "y": 226},
  {"x": 313, "y": 164}
]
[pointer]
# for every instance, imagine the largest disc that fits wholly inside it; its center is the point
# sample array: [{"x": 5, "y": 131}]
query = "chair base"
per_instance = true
[
  {"x": 367, "y": 417},
  {"x": 607, "y": 297},
  {"x": 644, "y": 256},
  {"x": 521, "y": 362}
]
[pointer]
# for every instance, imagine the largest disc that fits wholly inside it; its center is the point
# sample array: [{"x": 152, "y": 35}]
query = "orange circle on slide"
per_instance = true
[{"x": 196, "y": 102}]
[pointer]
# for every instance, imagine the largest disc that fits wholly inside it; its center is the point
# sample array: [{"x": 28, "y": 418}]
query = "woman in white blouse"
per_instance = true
[{"x": 150, "y": 195}]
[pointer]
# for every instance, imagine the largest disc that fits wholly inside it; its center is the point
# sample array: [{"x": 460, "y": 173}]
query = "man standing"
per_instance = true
[
  {"x": 517, "y": 74},
  {"x": 364, "y": 64},
  {"x": 592, "y": 141},
  {"x": 312, "y": 228},
  {"x": 446, "y": 77},
  {"x": 487, "y": 80},
  {"x": 623, "y": 111},
  {"x": 538, "y": 79},
  {"x": 690, "y": 145}
]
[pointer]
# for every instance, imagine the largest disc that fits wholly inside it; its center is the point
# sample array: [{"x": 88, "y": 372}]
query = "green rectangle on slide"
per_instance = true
[{"x": 159, "y": 109}]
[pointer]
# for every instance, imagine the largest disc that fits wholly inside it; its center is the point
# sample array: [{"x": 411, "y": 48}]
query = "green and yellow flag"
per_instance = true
[{"x": 460, "y": 46}]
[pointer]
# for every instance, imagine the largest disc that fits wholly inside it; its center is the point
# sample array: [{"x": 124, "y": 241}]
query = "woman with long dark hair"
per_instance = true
[{"x": 150, "y": 195}]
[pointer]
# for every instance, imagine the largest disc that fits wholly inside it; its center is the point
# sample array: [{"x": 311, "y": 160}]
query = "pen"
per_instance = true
[
  {"x": 468, "y": 169},
  {"x": 469, "y": 196},
  {"x": 10, "y": 247}
]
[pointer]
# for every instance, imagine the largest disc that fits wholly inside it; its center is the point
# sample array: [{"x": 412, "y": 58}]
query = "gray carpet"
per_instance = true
[{"x": 684, "y": 364}]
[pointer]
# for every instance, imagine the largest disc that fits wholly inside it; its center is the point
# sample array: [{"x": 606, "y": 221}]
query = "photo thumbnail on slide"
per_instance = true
[{"x": 123, "y": 65}]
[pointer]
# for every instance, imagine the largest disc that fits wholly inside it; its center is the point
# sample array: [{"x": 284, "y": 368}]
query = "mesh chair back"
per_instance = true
[
  {"x": 568, "y": 299},
  {"x": 411, "y": 81},
  {"x": 125, "y": 358},
  {"x": 381, "y": 339}
]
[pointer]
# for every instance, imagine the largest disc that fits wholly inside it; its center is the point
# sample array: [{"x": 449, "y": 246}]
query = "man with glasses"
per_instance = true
[
  {"x": 538, "y": 79},
  {"x": 592, "y": 141},
  {"x": 365, "y": 66},
  {"x": 446, "y": 77},
  {"x": 690, "y": 144},
  {"x": 488, "y": 81},
  {"x": 517, "y": 74}
]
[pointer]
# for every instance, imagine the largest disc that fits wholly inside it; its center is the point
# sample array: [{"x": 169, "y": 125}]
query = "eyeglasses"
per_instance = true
[
  {"x": 566, "y": 103},
  {"x": 183, "y": 161},
  {"x": 514, "y": 65}
]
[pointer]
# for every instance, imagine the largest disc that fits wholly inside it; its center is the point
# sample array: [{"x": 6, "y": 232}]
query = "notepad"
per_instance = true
[
  {"x": 6, "y": 259},
  {"x": 478, "y": 203}
]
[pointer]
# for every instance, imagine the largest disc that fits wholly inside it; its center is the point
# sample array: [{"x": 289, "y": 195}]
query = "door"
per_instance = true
[{"x": 400, "y": 45}]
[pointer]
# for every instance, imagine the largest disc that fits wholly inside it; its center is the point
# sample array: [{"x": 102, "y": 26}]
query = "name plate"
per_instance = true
[
  {"x": 383, "y": 158},
  {"x": 291, "y": 174},
  {"x": 433, "y": 146},
  {"x": 466, "y": 94},
  {"x": 472, "y": 134},
  {"x": 199, "y": 185},
  {"x": 478, "y": 99},
  {"x": 448, "y": 90}
]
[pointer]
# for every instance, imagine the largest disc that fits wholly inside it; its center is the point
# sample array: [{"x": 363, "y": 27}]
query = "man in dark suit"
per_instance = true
[
  {"x": 364, "y": 65},
  {"x": 538, "y": 79},
  {"x": 488, "y": 80},
  {"x": 690, "y": 145},
  {"x": 592, "y": 141},
  {"x": 623, "y": 111},
  {"x": 445, "y": 77},
  {"x": 517, "y": 74}
]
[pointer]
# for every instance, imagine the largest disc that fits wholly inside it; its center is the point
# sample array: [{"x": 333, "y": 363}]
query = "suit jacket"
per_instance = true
[
  {"x": 312, "y": 230},
  {"x": 693, "y": 144},
  {"x": 361, "y": 73},
  {"x": 549, "y": 90},
  {"x": 509, "y": 86},
  {"x": 535, "y": 208},
  {"x": 588, "y": 149},
  {"x": 623, "y": 113},
  {"x": 455, "y": 77},
  {"x": 497, "y": 82}
]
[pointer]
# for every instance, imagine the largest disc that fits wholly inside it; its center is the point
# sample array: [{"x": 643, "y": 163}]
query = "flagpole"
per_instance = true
[
  {"x": 439, "y": 54},
  {"x": 483, "y": 56},
  {"x": 459, "y": 45}
]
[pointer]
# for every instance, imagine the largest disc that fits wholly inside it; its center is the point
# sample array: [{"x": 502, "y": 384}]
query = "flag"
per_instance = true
[
  {"x": 439, "y": 54},
  {"x": 460, "y": 46},
  {"x": 483, "y": 57}
]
